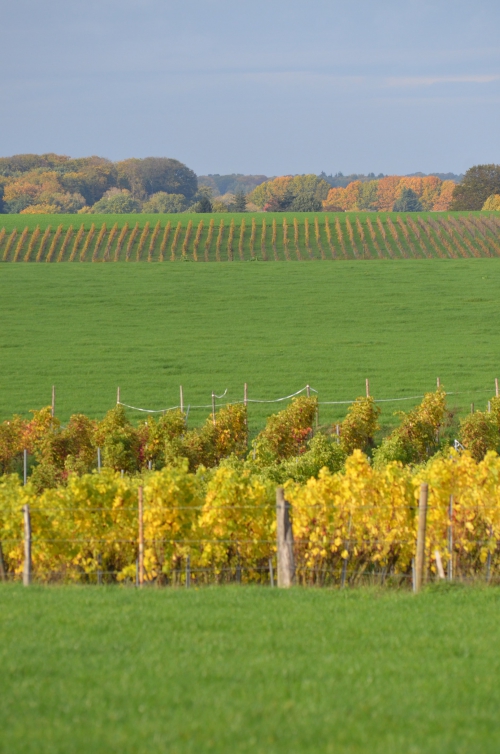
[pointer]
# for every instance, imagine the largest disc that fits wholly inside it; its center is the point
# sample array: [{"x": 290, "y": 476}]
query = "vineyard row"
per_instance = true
[{"x": 378, "y": 237}]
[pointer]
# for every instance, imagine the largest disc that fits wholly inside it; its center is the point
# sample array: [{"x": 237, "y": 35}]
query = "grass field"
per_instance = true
[
  {"x": 248, "y": 237},
  {"x": 150, "y": 328},
  {"x": 248, "y": 670}
]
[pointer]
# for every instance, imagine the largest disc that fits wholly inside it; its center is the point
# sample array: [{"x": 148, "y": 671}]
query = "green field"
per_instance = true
[
  {"x": 238, "y": 669},
  {"x": 249, "y": 237},
  {"x": 150, "y": 328}
]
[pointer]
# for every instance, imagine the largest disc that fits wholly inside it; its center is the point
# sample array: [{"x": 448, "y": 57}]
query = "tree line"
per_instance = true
[{"x": 55, "y": 184}]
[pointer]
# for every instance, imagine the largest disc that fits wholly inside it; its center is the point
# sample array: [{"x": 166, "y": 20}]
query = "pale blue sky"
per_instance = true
[{"x": 266, "y": 86}]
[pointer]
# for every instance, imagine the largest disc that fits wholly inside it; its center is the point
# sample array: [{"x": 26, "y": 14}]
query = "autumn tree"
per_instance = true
[{"x": 480, "y": 182}]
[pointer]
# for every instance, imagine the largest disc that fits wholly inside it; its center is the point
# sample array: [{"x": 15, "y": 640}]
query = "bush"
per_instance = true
[
  {"x": 418, "y": 435},
  {"x": 117, "y": 202},
  {"x": 358, "y": 428},
  {"x": 287, "y": 432},
  {"x": 161, "y": 202},
  {"x": 479, "y": 433}
]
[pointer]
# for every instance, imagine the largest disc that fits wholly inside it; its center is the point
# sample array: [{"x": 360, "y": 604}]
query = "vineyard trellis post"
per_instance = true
[
  {"x": 213, "y": 407},
  {"x": 53, "y": 410},
  {"x": 118, "y": 395},
  {"x": 367, "y": 382},
  {"x": 140, "y": 497},
  {"x": 25, "y": 467},
  {"x": 496, "y": 387},
  {"x": 181, "y": 399},
  {"x": 422, "y": 525},
  {"x": 27, "y": 546},
  {"x": 450, "y": 539},
  {"x": 286, "y": 566}
]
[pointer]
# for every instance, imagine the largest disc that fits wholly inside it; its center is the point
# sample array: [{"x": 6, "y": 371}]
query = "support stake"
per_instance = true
[
  {"x": 27, "y": 546},
  {"x": 422, "y": 525},
  {"x": 141, "y": 536},
  {"x": 286, "y": 567}
]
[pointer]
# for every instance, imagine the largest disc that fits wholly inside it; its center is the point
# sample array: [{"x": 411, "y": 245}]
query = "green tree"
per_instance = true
[
  {"x": 408, "y": 202},
  {"x": 240, "y": 202},
  {"x": 153, "y": 174},
  {"x": 479, "y": 182},
  {"x": 165, "y": 203},
  {"x": 116, "y": 202}
]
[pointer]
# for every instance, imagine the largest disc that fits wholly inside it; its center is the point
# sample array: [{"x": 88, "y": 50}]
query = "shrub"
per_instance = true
[
  {"x": 479, "y": 433},
  {"x": 418, "y": 435},
  {"x": 360, "y": 425},
  {"x": 287, "y": 432}
]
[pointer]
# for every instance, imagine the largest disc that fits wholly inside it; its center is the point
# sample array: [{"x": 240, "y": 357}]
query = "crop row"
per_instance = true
[
  {"x": 352, "y": 523},
  {"x": 369, "y": 236}
]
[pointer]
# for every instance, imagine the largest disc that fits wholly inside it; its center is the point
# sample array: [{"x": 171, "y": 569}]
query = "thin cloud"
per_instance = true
[{"x": 416, "y": 81}]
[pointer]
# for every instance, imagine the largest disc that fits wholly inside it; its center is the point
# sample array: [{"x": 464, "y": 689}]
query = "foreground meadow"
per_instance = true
[
  {"x": 150, "y": 328},
  {"x": 241, "y": 669}
]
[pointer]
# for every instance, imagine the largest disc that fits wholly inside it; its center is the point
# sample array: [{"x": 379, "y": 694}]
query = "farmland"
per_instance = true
[
  {"x": 150, "y": 328},
  {"x": 248, "y": 670},
  {"x": 248, "y": 237}
]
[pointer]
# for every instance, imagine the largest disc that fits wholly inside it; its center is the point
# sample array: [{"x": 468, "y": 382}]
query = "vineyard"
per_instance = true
[{"x": 263, "y": 237}]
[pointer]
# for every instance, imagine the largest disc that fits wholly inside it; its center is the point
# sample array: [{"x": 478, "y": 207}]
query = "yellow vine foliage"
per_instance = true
[{"x": 363, "y": 519}]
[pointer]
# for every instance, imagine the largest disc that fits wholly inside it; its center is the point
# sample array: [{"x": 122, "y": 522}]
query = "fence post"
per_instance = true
[
  {"x": 27, "y": 546},
  {"x": 496, "y": 386},
  {"x": 118, "y": 395},
  {"x": 308, "y": 391},
  {"x": 53, "y": 411},
  {"x": 141, "y": 536},
  {"x": 99, "y": 460},
  {"x": 182, "y": 399},
  {"x": 245, "y": 394},
  {"x": 271, "y": 572},
  {"x": 213, "y": 407},
  {"x": 286, "y": 568},
  {"x": 438, "y": 383},
  {"x": 450, "y": 539},
  {"x": 3, "y": 572},
  {"x": 25, "y": 466},
  {"x": 367, "y": 388},
  {"x": 422, "y": 525}
]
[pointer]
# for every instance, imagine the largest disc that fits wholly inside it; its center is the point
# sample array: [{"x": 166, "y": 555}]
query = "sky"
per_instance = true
[{"x": 267, "y": 87}]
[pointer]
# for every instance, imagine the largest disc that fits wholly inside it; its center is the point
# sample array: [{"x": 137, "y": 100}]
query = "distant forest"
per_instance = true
[{"x": 57, "y": 184}]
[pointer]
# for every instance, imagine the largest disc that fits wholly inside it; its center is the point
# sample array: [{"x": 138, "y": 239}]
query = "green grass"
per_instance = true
[
  {"x": 351, "y": 235},
  {"x": 248, "y": 670},
  {"x": 150, "y": 328}
]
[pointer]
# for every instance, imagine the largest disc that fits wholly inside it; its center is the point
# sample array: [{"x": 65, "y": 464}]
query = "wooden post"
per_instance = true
[
  {"x": 438, "y": 383},
  {"x": 367, "y": 388},
  {"x": 450, "y": 539},
  {"x": 489, "y": 407},
  {"x": 3, "y": 572},
  {"x": 27, "y": 546},
  {"x": 245, "y": 394},
  {"x": 422, "y": 525},
  {"x": 472, "y": 408},
  {"x": 271, "y": 572},
  {"x": 53, "y": 411},
  {"x": 439, "y": 564},
  {"x": 496, "y": 386},
  {"x": 188, "y": 571},
  {"x": 118, "y": 395},
  {"x": 25, "y": 466},
  {"x": 488, "y": 560},
  {"x": 308, "y": 391},
  {"x": 99, "y": 460},
  {"x": 141, "y": 536},
  {"x": 286, "y": 567},
  {"x": 213, "y": 407},
  {"x": 182, "y": 399}
]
